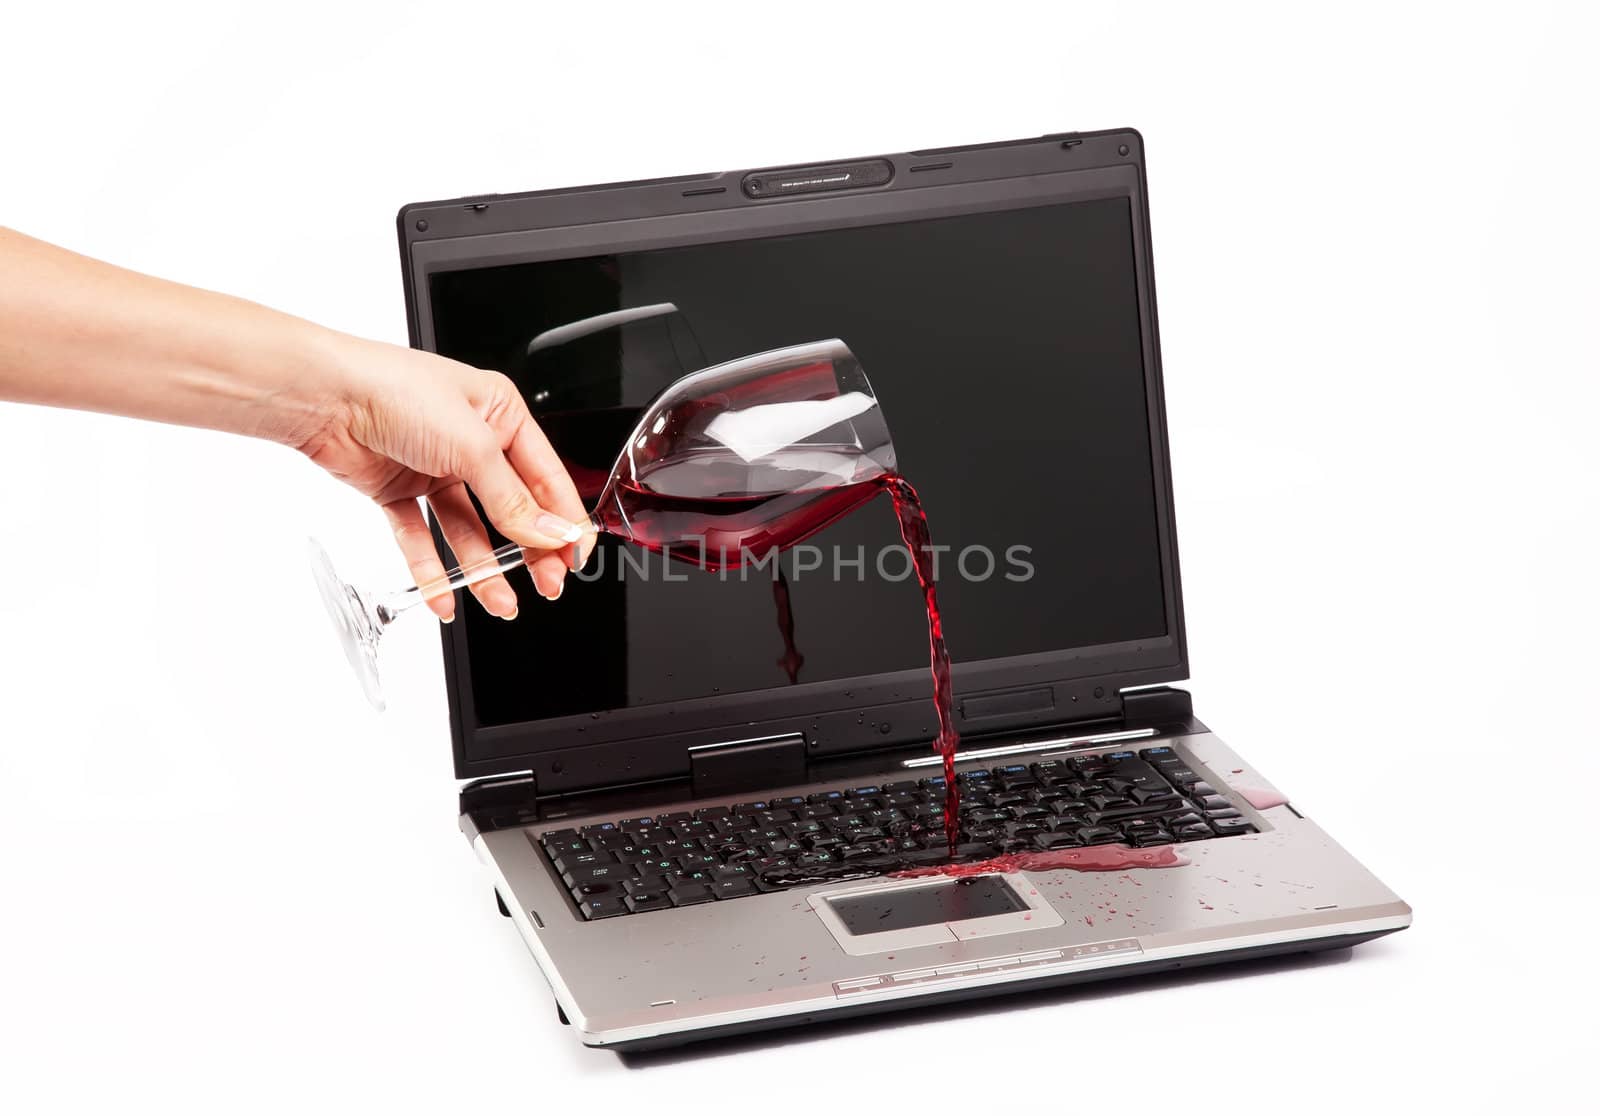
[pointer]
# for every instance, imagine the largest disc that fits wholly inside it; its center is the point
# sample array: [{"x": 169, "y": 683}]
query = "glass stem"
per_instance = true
[{"x": 508, "y": 557}]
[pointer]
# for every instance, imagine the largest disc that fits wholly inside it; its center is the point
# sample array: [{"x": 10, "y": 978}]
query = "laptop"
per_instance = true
[{"x": 696, "y": 792}]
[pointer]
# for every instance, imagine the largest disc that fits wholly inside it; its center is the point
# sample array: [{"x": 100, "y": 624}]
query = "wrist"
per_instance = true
[{"x": 321, "y": 388}]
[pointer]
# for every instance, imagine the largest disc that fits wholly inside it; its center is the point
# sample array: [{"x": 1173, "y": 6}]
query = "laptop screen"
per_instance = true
[{"x": 1005, "y": 351}]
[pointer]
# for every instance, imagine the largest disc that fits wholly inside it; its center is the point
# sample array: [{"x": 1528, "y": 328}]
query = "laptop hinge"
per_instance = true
[
  {"x": 742, "y": 765},
  {"x": 1155, "y": 705},
  {"x": 501, "y": 802}
]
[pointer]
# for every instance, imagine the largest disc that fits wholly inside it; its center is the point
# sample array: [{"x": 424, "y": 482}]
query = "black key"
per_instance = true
[
  {"x": 818, "y": 812},
  {"x": 867, "y": 833},
  {"x": 593, "y": 873},
  {"x": 660, "y": 866},
  {"x": 635, "y": 824},
  {"x": 732, "y": 889},
  {"x": 1052, "y": 771},
  {"x": 800, "y": 829},
  {"x": 695, "y": 862},
  {"x": 596, "y": 830},
  {"x": 762, "y": 865},
  {"x": 1067, "y": 821},
  {"x": 739, "y": 854},
  {"x": 987, "y": 834},
  {"x": 1186, "y": 817},
  {"x": 1023, "y": 811},
  {"x": 825, "y": 798},
  {"x": 732, "y": 872},
  {"x": 855, "y": 853},
  {"x": 863, "y": 792},
  {"x": 1016, "y": 775},
  {"x": 781, "y": 847},
  {"x": 700, "y": 876},
  {"x": 1003, "y": 798},
  {"x": 675, "y": 817},
  {"x": 813, "y": 860},
  {"x": 775, "y": 882},
  {"x": 792, "y": 802},
  {"x": 569, "y": 861},
  {"x": 647, "y": 901},
  {"x": 902, "y": 785},
  {"x": 1147, "y": 838},
  {"x": 1202, "y": 790},
  {"x": 824, "y": 841},
  {"x": 1219, "y": 815},
  {"x": 1181, "y": 777},
  {"x": 612, "y": 839},
  {"x": 568, "y": 845},
  {"x": 1228, "y": 827},
  {"x": 884, "y": 816},
  {"x": 1123, "y": 813},
  {"x": 645, "y": 885},
  {"x": 1065, "y": 806},
  {"x": 1213, "y": 802},
  {"x": 633, "y": 854},
  {"x": 688, "y": 894},
  {"x": 750, "y": 807},
  {"x": 596, "y": 888},
  {"x": 1199, "y": 831},
  {"x": 558, "y": 836},
  {"x": 1098, "y": 835},
  {"x": 1159, "y": 754},
  {"x": 931, "y": 855},
  {"x": 1104, "y": 801},
  {"x": 982, "y": 816},
  {"x": 1056, "y": 840},
  {"x": 706, "y": 813},
  {"x": 774, "y": 817},
  {"x": 607, "y": 906},
  {"x": 691, "y": 830},
  {"x": 973, "y": 851},
  {"x": 1024, "y": 830},
  {"x": 1163, "y": 793}
]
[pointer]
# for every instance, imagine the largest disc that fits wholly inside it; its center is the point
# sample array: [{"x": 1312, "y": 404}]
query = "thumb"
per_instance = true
[{"x": 507, "y": 501}]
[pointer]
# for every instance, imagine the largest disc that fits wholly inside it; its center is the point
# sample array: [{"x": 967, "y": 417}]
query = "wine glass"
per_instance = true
[{"x": 726, "y": 466}]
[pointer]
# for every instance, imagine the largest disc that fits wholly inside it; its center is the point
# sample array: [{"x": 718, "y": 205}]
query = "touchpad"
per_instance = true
[
  {"x": 934, "y": 911},
  {"x": 952, "y": 901}
]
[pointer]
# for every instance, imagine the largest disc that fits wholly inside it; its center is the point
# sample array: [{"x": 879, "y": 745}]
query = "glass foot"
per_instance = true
[{"x": 355, "y": 621}]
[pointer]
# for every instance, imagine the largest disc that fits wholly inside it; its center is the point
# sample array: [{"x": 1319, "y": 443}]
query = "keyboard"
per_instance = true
[{"x": 716, "y": 853}]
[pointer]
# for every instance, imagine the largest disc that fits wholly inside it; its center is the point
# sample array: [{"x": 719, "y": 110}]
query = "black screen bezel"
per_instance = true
[{"x": 652, "y": 742}]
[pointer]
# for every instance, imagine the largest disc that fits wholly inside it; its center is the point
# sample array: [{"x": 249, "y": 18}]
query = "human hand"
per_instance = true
[{"x": 404, "y": 425}]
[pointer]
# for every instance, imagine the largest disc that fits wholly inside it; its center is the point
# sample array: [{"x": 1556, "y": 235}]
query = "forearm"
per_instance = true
[{"x": 75, "y": 332}]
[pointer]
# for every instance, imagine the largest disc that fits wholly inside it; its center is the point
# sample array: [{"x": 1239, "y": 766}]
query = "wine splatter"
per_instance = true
[{"x": 1098, "y": 858}]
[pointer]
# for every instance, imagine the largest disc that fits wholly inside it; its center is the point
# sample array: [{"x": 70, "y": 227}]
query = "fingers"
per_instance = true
[
  {"x": 463, "y": 530},
  {"x": 507, "y": 501},
  {"x": 537, "y": 464},
  {"x": 416, "y": 544}
]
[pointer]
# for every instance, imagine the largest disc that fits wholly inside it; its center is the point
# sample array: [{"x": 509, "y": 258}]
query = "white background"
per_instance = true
[{"x": 1375, "y": 233}]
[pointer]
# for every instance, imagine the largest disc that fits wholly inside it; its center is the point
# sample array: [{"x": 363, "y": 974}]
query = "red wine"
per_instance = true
[
  {"x": 697, "y": 510},
  {"x": 792, "y": 660},
  {"x": 918, "y": 540},
  {"x": 724, "y": 532}
]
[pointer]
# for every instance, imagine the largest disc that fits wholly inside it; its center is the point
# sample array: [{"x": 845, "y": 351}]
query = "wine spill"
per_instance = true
[{"x": 683, "y": 510}]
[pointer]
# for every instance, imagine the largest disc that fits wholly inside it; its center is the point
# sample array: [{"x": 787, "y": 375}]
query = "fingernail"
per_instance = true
[
  {"x": 558, "y": 528},
  {"x": 560, "y": 585},
  {"x": 512, "y": 615},
  {"x": 451, "y": 619}
]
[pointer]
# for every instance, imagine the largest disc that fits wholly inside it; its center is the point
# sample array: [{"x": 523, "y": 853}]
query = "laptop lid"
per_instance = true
[{"x": 1000, "y": 300}]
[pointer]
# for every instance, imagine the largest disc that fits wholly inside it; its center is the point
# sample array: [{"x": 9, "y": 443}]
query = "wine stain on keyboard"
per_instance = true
[{"x": 1099, "y": 858}]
